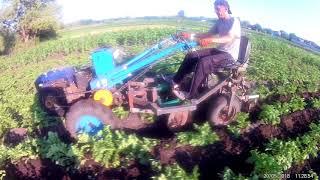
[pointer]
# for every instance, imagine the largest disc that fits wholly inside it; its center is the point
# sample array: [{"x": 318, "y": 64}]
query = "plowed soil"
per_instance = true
[{"x": 229, "y": 151}]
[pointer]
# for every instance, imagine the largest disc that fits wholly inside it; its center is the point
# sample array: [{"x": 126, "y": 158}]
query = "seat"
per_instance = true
[
  {"x": 243, "y": 58},
  {"x": 239, "y": 66}
]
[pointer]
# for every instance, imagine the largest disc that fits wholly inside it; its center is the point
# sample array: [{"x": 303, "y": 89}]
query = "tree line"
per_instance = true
[
  {"x": 22, "y": 21},
  {"x": 282, "y": 34}
]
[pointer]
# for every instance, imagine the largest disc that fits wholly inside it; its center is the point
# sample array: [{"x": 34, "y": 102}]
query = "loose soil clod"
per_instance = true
[{"x": 15, "y": 136}]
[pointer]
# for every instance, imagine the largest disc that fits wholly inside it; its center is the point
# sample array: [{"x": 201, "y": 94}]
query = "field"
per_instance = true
[{"x": 280, "y": 138}]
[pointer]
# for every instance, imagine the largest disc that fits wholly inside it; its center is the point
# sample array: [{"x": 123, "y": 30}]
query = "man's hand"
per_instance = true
[
  {"x": 185, "y": 35},
  {"x": 205, "y": 42}
]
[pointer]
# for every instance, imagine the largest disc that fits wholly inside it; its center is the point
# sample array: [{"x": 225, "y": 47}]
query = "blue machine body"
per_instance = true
[
  {"x": 108, "y": 75},
  {"x": 46, "y": 79}
]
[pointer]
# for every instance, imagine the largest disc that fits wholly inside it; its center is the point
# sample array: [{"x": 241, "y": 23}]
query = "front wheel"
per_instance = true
[
  {"x": 88, "y": 116},
  {"x": 52, "y": 101},
  {"x": 218, "y": 112}
]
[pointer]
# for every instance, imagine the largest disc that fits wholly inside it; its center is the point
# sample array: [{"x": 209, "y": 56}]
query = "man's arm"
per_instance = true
[
  {"x": 222, "y": 39},
  {"x": 203, "y": 35},
  {"x": 234, "y": 33}
]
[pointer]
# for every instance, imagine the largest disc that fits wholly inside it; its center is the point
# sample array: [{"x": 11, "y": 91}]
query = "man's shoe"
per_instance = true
[{"x": 182, "y": 95}]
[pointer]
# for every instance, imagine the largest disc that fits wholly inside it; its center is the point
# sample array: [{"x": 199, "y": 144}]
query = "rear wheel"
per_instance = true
[
  {"x": 178, "y": 120},
  {"x": 218, "y": 112},
  {"x": 88, "y": 116}
]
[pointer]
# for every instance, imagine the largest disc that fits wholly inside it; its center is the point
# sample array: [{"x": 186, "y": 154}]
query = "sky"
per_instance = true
[{"x": 294, "y": 16}]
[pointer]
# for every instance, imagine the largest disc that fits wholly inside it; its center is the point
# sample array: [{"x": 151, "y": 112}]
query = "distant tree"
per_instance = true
[
  {"x": 284, "y": 35},
  {"x": 7, "y": 41},
  {"x": 257, "y": 27},
  {"x": 267, "y": 31},
  {"x": 245, "y": 24},
  {"x": 86, "y": 22},
  {"x": 313, "y": 44},
  {"x": 292, "y": 36},
  {"x": 276, "y": 33},
  {"x": 31, "y": 18}
]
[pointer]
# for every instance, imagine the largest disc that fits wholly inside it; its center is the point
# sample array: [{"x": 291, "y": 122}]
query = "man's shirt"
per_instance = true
[{"x": 232, "y": 27}]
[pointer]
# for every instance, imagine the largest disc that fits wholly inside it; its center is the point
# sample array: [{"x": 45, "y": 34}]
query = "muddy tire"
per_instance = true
[
  {"x": 177, "y": 121},
  {"x": 52, "y": 101},
  {"x": 219, "y": 109},
  {"x": 88, "y": 116}
]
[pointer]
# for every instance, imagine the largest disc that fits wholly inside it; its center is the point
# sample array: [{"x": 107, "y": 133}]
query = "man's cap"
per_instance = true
[{"x": 223, "y": 3}]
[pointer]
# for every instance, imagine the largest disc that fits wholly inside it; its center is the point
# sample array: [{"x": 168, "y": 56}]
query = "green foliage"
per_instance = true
[
  {"x": 115, "y": 148},
  {"x": 203, "y": 135},
  {"x": 7, "y": 41},
  {"x": 175, "y": 172},
  {"x": 228, "y": 174},
  {"x": 313, "y": 174},
  {"x": 82, "y": 147},
  {"x": 297, "y": 103},
  {"x": 2, "y": 174},
  {"x": 315, "y": 103},
  {"x": 270, "y": 115},
  {"x": 169, "y": 68},
  {"x": 38, "y": 20},
  {"x": 264, "y": 163},
  {"x": 27, "y": 149},
  {"x": 281, "y": 68},
  {"x": 242, "y": 121},
  {"x": 59, "y": 152},
  {"x": 150, "y": 118},
  {"x": 280, "y": 155},
  {"x": 120, "y": 112},
  {"x": 83, "y": 44}
]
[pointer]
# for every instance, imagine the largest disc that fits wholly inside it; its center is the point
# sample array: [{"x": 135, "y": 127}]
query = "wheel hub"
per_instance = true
[
  {"x": 223, "y": 115},
  {"x": 50, "y": 101},
  {"x": 89, "y": 124}
]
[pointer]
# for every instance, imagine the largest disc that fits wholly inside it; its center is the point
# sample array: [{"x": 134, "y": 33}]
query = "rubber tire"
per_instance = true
[
  {"x": 88, "y": 107},
  {"x": 179, "y": 128},
  {"x": 220, "y": 103},
  {"x": 60, "y": 102}
]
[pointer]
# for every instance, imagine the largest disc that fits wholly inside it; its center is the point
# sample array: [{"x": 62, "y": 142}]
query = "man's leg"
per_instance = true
[
  {"x": 189, "y": 63},
  {"x": 206, "y": 66}
]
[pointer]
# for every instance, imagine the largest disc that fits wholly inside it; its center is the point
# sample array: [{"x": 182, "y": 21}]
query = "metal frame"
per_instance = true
[{"x": 163, "y": 49}]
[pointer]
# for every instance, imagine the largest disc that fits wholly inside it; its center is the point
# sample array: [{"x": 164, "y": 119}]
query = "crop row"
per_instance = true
[
  {"x": 280, "y": 155},
  {"x": 82, "y": 44},
  {"x": 280, "y": 68}
]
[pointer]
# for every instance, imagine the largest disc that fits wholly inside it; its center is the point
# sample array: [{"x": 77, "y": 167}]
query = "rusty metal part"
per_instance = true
[
  {"x": 59, "y": 83},
  {"x": 73, "y": 93},
  {"x": 167, "y": 110},
  {"x": 137, "y": 94},
  {"x": 138, "y": 110},
  {"x": 154, "y": 95},
  {"x": 140, "y": 94},
  {"x": 212, "y": 91},
  {"x": 177, "y": 120},
  {"x": 117, "y": 99},
  {"x": 233, "y": 95}
]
